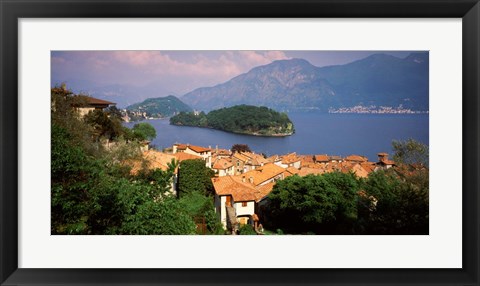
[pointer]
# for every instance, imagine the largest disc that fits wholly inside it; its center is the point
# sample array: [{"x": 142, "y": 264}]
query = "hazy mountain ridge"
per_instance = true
[{"x": 298, "y": 85}]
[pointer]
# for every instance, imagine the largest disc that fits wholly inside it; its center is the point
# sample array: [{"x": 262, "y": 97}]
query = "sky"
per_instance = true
[{"x": 176, "y": 72}]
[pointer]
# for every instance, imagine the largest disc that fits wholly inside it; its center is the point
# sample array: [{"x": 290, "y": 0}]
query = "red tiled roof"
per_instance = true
[
  {"x": 153, "y": 160},
  {"x": 368, "y": 166},
  {"x": 222, "y": 164},
  {"x": 181, "y": 146},
  {"x": 263, "y": 191},
  {"x": 309, "y": 171},
  {"x": 264, "y": 173},
  {"x": 292, "y": 170},
  {"x": 356, "y": 158},
  {"x": 322, "y": 158},
  {"x": 198, "y": 149},
  {"x": 273, "y": 158},
  {"x": 229, "y": 185},
  {"x": 182, "y": 156},
  {"x": 240, "y": 157},
  {"x": 290, "y": 158},
  {"x": 255, "y": 159},
  {"x": 95, "y": 101}
]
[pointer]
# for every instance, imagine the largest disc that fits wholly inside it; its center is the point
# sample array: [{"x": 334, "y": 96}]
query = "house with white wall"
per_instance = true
[
  {"x": 236, "y": 196},
  {"x": 204, "y": 153},
  {"x": 223, "y": 167}
]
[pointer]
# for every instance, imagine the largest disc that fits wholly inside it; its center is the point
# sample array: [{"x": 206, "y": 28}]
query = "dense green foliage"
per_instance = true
[
  {"x": 104, "y": 126},
  {"x": 243, "y": 119},
  {"x": 388, "y": 202},
  {"x": 410, "y": 152},
  {"x": 144, "y": 131},
  {"x": 246, "y": 229},
  {"x": 199, "y": 206},
  {"x": 194, "y": 176},
  {"x": 92, "y": 192},
  {"x": 402, "y": 206},
  {"x": 160, "y": 107},
  {"x": 322, "y": 204}
]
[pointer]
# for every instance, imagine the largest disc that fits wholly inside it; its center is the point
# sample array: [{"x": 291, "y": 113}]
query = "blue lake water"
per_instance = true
[{"x": 333, "y": 134}]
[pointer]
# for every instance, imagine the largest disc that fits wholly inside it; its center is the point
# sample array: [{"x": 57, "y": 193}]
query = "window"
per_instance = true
[{"x": 244, "y": 204}]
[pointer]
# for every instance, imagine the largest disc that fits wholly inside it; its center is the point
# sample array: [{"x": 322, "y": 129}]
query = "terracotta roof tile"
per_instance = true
[
  {"x": 293, "y": 170},
  {"x": 255, "y": 159},
  {"x": 95, "y": 101},
  {"x": 356, "y": 158},
  {"x": 153, "y": 160},
  {"x": 274, "y": 158},
  {"x": 222, "y": 164},
  {"x": 290, "y": 158},
  {"x": 263, "y": 191},
  {"x": 198, "y": 149},
  {"x": 240, "y": 157},
  {"x": 322, "y": 158},
  {"x": 310, "y": 171},
  {"x": 181, "y": 156},
  {"x": 230, "y": 185},
  {"x": 181, "y": 146},
  {"x": 264, "y": 173}
]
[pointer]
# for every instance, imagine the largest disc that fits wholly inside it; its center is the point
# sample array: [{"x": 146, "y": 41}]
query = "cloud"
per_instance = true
[{"x": 176, "y": 70}]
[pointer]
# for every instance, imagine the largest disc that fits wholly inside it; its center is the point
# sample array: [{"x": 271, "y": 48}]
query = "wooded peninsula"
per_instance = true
[{"x": 241, "y": 119}]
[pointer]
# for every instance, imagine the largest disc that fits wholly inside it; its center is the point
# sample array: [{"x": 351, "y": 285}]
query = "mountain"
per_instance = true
[
  {"x": 295, "y": 84},
  {"x": 159, "y": 107}
]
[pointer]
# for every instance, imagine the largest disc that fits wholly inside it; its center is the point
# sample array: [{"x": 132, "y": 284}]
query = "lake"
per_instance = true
[{"x": 315, "y": 133}]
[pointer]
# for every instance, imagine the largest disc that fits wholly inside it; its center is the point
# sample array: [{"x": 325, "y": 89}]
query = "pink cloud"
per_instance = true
[{"x": 178, "y": 70}]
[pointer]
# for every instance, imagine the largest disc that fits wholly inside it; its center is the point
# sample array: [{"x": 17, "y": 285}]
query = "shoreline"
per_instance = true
[{"x": 280, "y": 135}]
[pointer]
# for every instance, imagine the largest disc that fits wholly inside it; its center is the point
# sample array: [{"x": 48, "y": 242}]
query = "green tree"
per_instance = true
[
  {"x": 240, "y": 148},
  {"x": 194, "y": 176},
  {"x": 198, "y": 205},
  {"x": 105, "y": 126},
  {"x": 144, "y": 131},
  {"x": 246, "y": 230},
  {"x": 401, "y": 203},
  {"x": 410, "y": 152},
  {"x": 322, "y": 204},
  {"x": 93, "y": 193}
]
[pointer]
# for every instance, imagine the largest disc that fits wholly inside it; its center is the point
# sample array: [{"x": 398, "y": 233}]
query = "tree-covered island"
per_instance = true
[{"x": 242, "y": 119}]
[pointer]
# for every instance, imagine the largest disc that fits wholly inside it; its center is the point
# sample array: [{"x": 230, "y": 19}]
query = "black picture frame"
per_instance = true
[{"x": 11, "y": 11}]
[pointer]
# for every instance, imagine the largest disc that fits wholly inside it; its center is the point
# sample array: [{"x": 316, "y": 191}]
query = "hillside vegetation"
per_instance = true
[
  {"x": 159, "y": 107},
  {"x": 243, "y": 119}
]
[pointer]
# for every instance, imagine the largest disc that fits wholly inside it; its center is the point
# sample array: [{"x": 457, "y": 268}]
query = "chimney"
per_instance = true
[
  {"x": 250, "y": 180},
  {"x": 382, "y": 157},
  {"x": 243, "y": 179}
]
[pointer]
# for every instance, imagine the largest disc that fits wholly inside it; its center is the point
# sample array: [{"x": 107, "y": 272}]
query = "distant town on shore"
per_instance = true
[{"x": 305, "y": 170}]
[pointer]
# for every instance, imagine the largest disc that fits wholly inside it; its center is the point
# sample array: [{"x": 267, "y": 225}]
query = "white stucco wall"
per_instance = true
[
  {"x": 85, "y": 110},
  {"x": 220, "y": 202},
  {"x": 207, "y": 156},
  {"x": 248, "y": 210},
  {"x": 297, "y": 164}
]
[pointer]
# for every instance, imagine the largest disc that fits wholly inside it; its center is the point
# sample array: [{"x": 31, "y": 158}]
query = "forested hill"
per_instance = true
[
  {"x": 158, "y": 107},
  {"x": 243, "y": 119}
]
